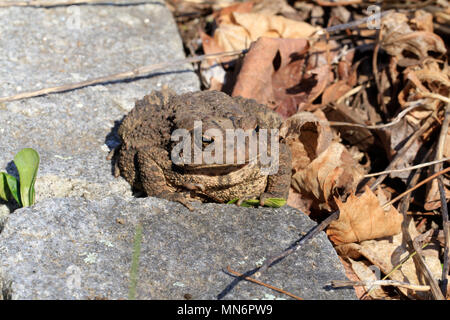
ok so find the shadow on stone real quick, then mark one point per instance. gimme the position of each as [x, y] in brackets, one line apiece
[112, 141]
[235, 282]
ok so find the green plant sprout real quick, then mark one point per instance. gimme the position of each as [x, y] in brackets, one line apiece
[22, 191]
[271, 202]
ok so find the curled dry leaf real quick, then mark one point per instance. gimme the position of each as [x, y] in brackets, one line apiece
[269, 62]
[277, 72]
[307, 135]
[238, 28]
[365, 273]
[388, 252]
[401, 40]
[333, 172]
[352, 276]
[321, 167]
[363, 218]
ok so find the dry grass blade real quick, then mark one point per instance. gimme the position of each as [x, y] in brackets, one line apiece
[128, 75]
[422, 165]
[54, 3]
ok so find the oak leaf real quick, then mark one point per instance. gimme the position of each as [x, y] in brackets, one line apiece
[363, 218]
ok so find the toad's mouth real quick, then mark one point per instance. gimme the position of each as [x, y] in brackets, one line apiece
[211, 169]
[218, 168]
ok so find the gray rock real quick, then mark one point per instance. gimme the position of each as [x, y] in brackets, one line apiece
[75, 248]
[77, 241]
[74, 131]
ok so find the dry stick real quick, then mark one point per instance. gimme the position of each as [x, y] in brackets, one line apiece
[368, 283]
[446, 227]
[422, 165]
[323, 3]
[396, 120]
[53, 3]
[421, 183]
[435, 96]
[262, 284]
[146, 70]
[412, 245]
[444, 208]
[138, 72]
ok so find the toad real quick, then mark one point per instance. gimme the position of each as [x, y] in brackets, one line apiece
[186, 147]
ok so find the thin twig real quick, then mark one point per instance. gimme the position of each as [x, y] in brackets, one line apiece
[421, 183]
[323, 3]
[444, 209]
[353, 24]
[54, 3]
[413, 245]
[446, 227]
[435, 96]
[396, 120]
[128, 75]
[368, 283]
[146, 70]
[262, 283]
[422, 165]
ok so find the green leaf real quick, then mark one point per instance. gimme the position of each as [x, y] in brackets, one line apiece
[270, 202]
[27, 163]
[13, 187]
[275, 202]
[5, 194]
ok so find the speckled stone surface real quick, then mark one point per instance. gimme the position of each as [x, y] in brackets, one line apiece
[77, 241]
[74, 248]
[74, 131]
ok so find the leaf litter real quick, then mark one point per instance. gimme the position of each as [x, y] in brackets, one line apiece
[338, 93]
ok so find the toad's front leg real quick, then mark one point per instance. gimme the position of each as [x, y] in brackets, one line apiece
[151, 164]
[279, 183]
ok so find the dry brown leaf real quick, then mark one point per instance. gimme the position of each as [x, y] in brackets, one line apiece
[388, 252]
[333, 171]
[365, 273]
[261, 75]
[363, 218]
[351, 275]
[306, 136]
[278, 73]
[237, 30]
[335, 91]
[400, 39]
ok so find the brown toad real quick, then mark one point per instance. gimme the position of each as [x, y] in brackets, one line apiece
[151, 157]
